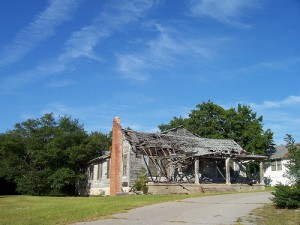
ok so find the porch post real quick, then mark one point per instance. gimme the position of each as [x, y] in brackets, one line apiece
[261, 173]
[227, 170]
[197, 171]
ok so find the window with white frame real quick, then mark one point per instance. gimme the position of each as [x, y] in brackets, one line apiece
[276, 165]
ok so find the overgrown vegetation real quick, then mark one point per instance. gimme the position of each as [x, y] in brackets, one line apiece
[141, 182]
[240, 124]
[45, 156]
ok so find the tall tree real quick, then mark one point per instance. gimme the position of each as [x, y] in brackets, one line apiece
[45, 156]
[240, 124]
[207, 120]
[175, 122]
[294, 156]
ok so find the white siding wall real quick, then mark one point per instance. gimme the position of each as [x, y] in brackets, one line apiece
[100, 184]
[274, 177]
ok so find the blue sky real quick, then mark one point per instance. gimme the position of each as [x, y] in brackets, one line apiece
[149, 60]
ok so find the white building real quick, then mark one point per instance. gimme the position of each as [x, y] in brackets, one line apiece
[276, 169]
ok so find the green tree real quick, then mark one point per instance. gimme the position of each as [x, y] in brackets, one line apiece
[207, 120]
[289, 196]
[175, 122]
[240, 124]
[294, 156]
[46, 155]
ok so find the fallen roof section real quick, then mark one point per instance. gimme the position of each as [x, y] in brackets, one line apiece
[164, 145]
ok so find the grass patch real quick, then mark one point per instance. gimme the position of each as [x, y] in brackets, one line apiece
[269, 188]
[269, 215]
[65, 210]
[32, 210]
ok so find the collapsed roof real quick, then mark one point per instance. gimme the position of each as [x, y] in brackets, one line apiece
[184, 144]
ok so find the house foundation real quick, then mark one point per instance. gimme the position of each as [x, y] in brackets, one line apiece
[186, 188]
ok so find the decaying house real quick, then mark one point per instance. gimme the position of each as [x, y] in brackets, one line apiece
[177, 161]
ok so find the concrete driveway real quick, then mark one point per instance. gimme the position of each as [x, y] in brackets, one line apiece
[220, 209]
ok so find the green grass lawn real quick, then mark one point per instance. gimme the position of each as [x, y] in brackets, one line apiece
[66, 210]
[63, 210]
[269, 215]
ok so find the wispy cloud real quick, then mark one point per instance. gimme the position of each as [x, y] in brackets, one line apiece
[40, 29]
[281, 116]
[167, 50]
[289, 101]
[82, 42]
[225, 11]
[131, 67]
[171, 43]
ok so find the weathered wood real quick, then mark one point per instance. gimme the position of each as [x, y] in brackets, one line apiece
[197, 171]
[227, 169]
[261, 173]
[183, 150]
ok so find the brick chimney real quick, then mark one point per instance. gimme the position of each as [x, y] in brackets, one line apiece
[116, 158]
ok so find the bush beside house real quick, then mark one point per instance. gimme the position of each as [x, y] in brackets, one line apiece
[289, 196]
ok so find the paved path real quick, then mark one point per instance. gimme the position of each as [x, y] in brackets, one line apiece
[218, 209]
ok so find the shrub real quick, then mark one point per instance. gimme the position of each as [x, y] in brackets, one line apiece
[141, 182]
[287, 196]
